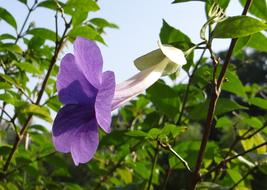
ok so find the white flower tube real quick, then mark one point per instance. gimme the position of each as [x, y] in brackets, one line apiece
[153, 65]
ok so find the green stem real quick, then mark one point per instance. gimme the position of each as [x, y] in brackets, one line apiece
[188, 87]
[153, 166]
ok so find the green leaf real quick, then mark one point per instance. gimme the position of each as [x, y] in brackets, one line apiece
[136, 133]
[73, 6]
[172, 130]
[8, 79]
[50, 4]
[43, 33]
[165, 99]
[7, 36]
[28, 67]
[39, 128]
[258, 41]
[86, 32]
[102, 23]
[54, 103]
[238, 26]
[258, 8]
[8, 98]
[234, 85]
[125, 175]
[154, 133]
[227, 105]
[199, 112]
[78, 18]
[23, 1]
[253, 122]
[141, 168]
[240, 44]
[259, 102]
[6, 16]
[4, 85]
[235, 175]
[13, 48]
[5, 149]
[223, 122]
[171, 35]
[255, 140]
[39, 111]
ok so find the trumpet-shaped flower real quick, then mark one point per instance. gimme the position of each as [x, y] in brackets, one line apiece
[89, 95]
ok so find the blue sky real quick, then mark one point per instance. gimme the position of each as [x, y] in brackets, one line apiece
[139, 21]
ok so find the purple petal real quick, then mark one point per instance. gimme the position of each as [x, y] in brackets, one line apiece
[103, 100]
[89, 59]
[85, 142]
[72, 86]
[68, 120]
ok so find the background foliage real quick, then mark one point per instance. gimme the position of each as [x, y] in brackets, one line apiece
[152, 131]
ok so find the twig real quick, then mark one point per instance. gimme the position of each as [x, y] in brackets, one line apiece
[243, 178]
[61, 10]
[237, 139]
[245, 152]
[22, 91]
[168, 147]
[167, 176]
[188, 87]
[153, 166]
[225, 161]
[5, 112]
[11, 120]
[39, 97]
[26, 20]
[26, 164]
[19, 35]
[254, 133]
[214, 98]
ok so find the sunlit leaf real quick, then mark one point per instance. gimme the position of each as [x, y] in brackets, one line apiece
[238, 26]
[260, 102]
[28, 67]
[86, 32]
[258, 8]
[6, 16]
[234, 85]
[171, 35]
[102, 23]
[39, 111]
[43, 33]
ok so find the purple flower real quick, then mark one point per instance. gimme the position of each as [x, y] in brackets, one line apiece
[88, 94]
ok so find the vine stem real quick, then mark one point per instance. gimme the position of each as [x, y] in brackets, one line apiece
[185, 97]
[39, 97]
[188, 86]
[153, 166]
[214, 98]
